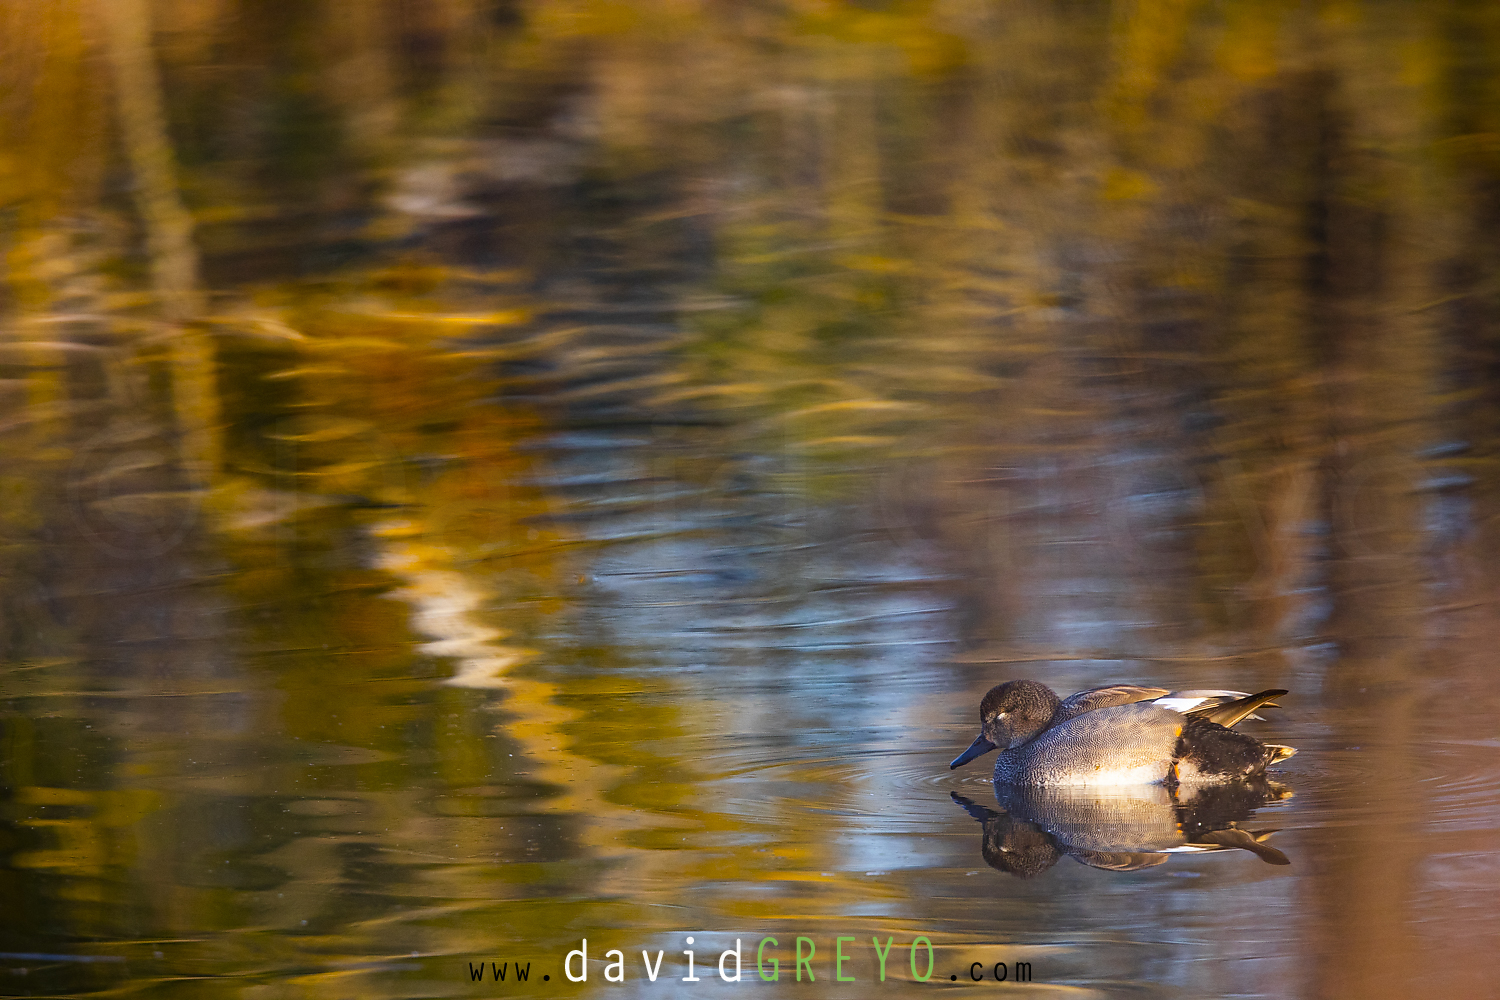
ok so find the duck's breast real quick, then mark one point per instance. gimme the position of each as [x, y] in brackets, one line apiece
[1123, 745]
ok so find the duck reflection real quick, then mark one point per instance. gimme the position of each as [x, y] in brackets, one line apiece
[1122, 828]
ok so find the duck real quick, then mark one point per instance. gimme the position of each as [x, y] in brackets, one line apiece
[1120, 734]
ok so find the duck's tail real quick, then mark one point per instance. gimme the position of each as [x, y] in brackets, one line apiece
[1230, 713]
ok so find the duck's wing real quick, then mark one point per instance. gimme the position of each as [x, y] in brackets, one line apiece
[1104, 697]
[1245, 840]
[1228, 714]
[1188, 701]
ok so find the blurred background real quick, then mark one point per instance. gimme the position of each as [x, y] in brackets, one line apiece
[479, 474]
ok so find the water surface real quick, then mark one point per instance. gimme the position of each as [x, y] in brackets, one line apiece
[506, 474]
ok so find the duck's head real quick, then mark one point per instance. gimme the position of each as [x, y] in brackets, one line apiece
[1010, 715]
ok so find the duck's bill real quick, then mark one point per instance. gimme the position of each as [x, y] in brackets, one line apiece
[978, 748]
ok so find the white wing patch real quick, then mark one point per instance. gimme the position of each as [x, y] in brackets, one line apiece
[1186, 701]
[1179, 704]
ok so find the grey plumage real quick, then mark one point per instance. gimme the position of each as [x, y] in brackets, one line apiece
[1120, 745]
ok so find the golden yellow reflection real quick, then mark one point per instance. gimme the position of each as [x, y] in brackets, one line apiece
[480, 471]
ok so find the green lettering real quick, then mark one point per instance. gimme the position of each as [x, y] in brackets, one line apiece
[812, 950]
[882, 954]
[921, 979]
[775, 965]
[839, 958]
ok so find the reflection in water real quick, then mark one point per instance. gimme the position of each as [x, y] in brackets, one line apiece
[1123, 828]
[478, 473]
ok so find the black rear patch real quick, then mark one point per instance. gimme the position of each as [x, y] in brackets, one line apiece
[1210, 749]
